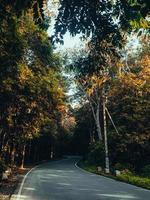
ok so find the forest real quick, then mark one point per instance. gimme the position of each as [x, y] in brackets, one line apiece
[106, 119]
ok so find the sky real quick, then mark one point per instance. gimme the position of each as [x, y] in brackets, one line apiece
[69, 41]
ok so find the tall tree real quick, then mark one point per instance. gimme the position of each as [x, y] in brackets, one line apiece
[32, 87]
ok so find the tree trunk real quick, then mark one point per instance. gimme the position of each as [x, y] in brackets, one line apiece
[35, 154]
[98, 123]
[23, 156]
[29, 151]
[52, 153]
[92, 138]
[107, 168]
[12, 155]
[2, 143]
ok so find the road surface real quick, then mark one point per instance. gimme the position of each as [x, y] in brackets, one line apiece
[62, 180]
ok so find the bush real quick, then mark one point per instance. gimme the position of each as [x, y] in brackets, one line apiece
[126, 172]
[119, 166]
[146, 171]
[96, 155]
[122, 167]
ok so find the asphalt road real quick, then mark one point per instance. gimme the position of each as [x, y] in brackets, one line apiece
[62, 180]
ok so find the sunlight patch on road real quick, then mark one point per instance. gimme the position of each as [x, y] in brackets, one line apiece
[22, 197]
[64, 184]
[52, 175]
[70, 171]
[88, 189]
[28, 188]
[121, 196]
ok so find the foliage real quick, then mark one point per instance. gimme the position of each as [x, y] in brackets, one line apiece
[129, 106]
[135, 180]
[32, 86]
[82, 134]
[2, 166]
[86, 17]
[146, 171]
[96, 154]
[18, 8]
[123, 167]
[134, 13]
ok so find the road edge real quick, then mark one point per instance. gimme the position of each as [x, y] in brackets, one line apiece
[81, 169]
[17, 192]
[117, 180]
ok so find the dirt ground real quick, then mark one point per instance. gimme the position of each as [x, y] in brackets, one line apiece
[8, 187]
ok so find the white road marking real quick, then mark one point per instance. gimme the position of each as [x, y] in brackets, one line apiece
[22, 183]
[81, 169]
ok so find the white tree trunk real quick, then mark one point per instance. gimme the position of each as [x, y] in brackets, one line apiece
[95, 111]
[23, 156]
[97, 120]
[107, 168]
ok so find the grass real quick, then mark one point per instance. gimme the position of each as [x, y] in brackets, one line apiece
[135, 180]
[143, 182]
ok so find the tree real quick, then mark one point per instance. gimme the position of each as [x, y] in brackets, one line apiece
[129, 106]
[32, 87]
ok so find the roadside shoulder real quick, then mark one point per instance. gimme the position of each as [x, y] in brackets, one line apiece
[142, 182]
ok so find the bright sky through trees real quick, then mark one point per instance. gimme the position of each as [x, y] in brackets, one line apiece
[69, 41]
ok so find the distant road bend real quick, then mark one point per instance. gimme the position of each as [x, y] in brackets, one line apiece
[62, 180]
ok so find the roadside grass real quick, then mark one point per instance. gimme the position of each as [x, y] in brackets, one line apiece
[135, 180]
[143, 182]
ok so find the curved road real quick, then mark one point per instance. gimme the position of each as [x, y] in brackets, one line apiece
[62, 180]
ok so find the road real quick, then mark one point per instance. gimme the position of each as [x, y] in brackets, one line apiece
[62, 180]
